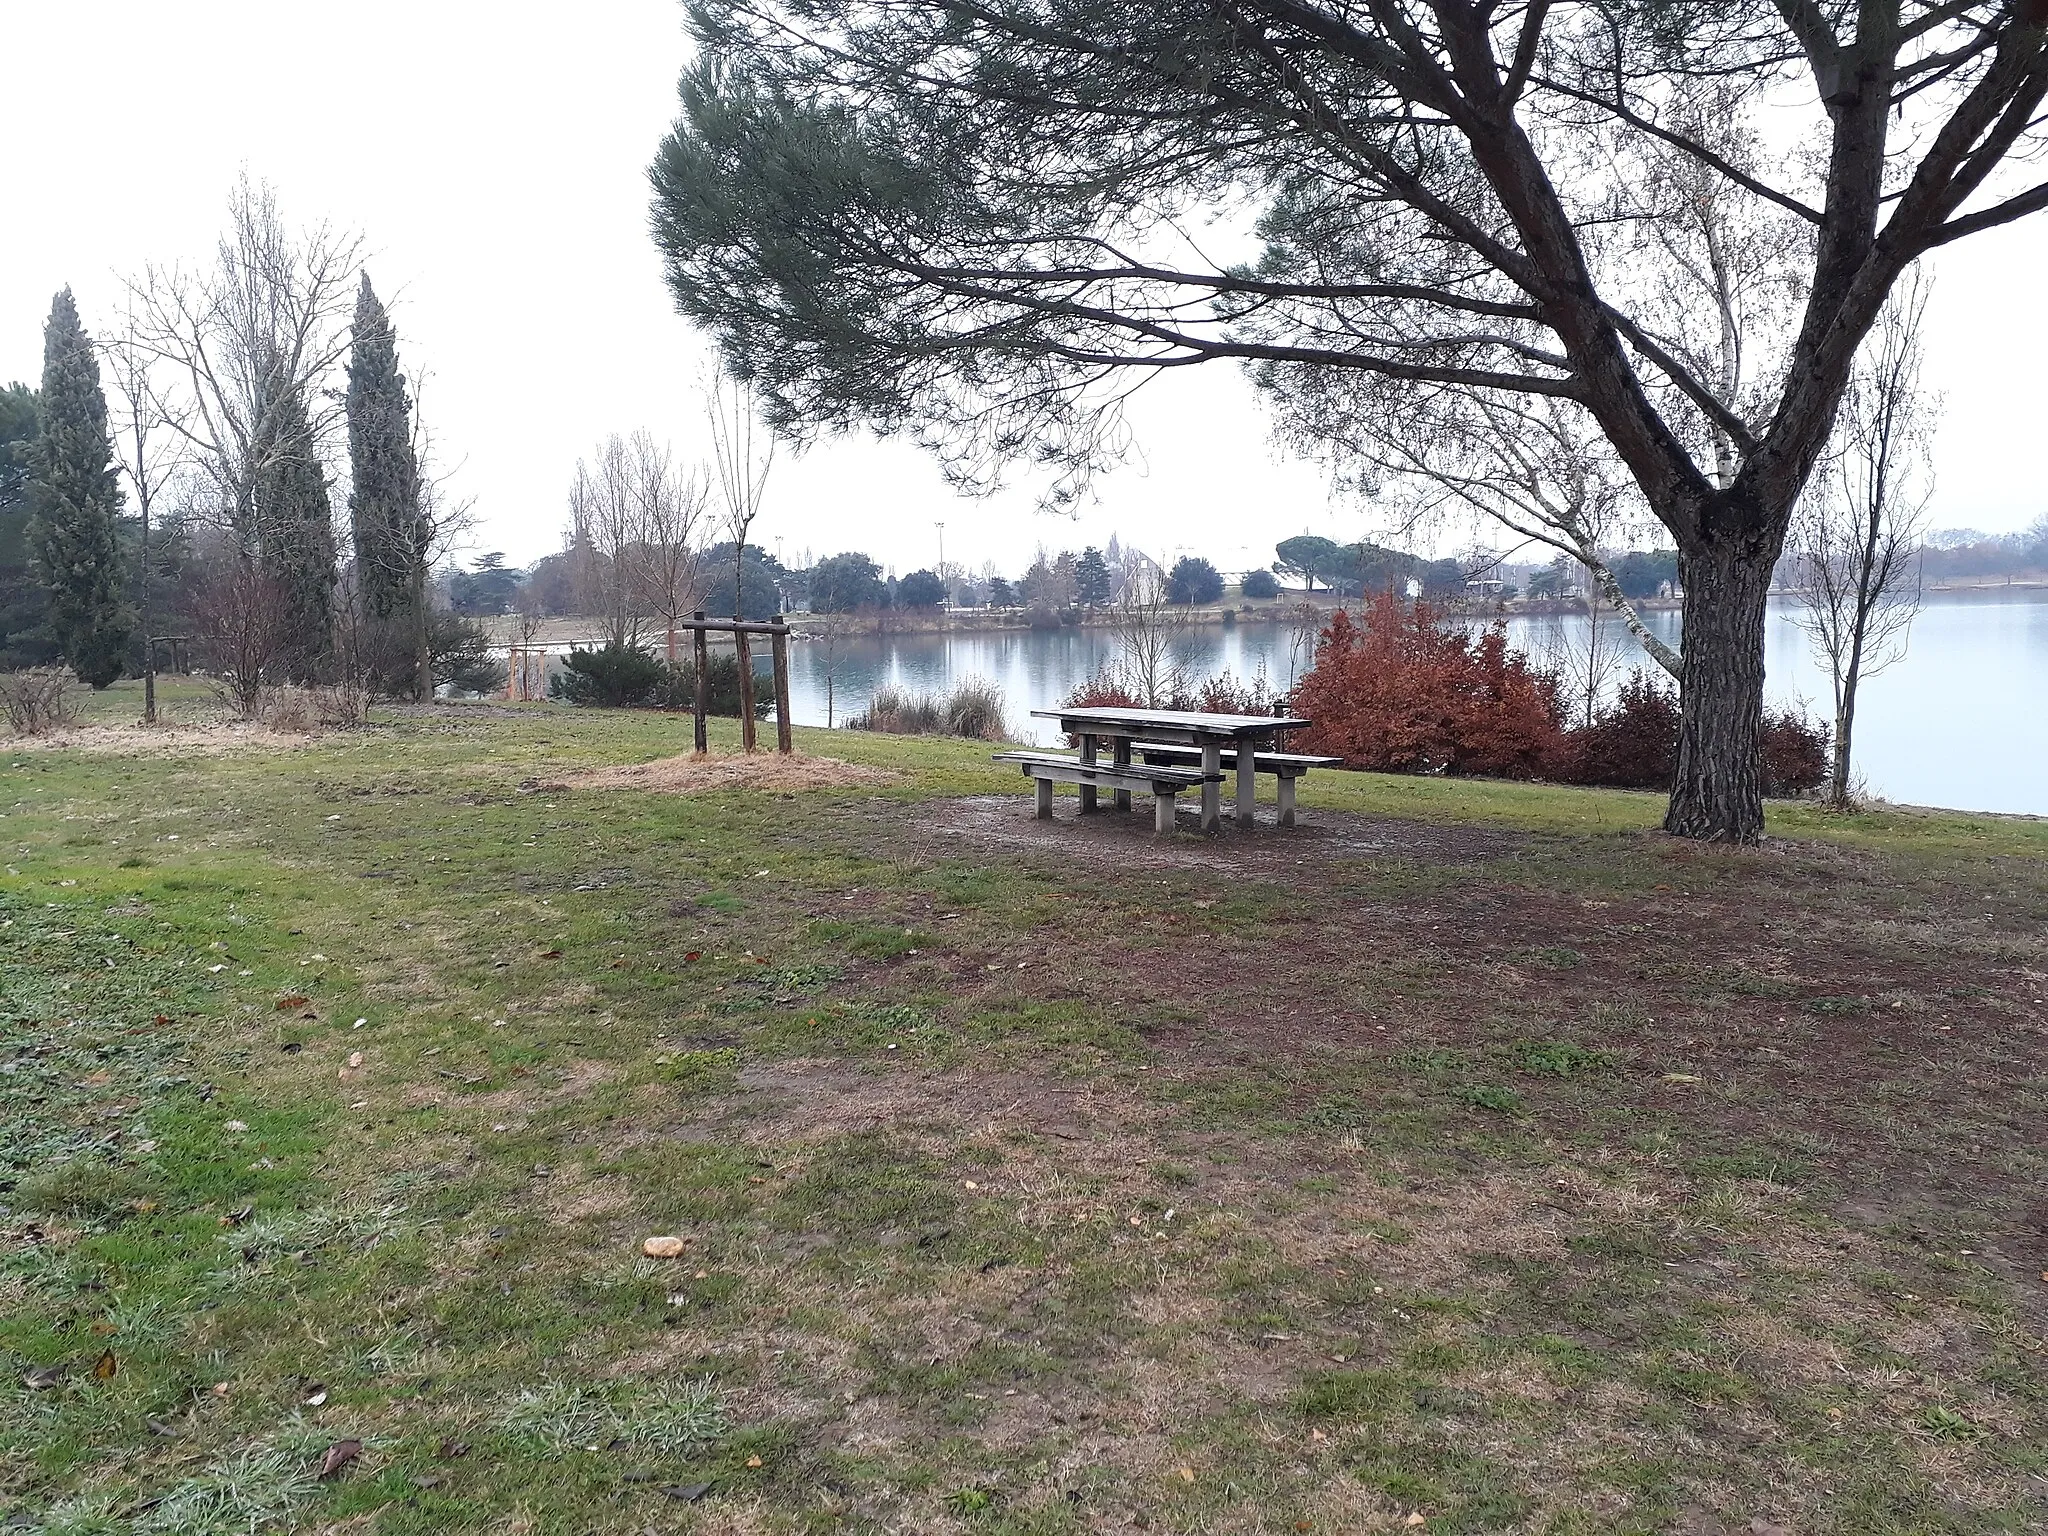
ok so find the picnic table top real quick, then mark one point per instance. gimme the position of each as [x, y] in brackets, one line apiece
[1195, 722]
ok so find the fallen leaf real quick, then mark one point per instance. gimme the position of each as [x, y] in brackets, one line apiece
[43, 1377]
[666, 1246]
[287, 1004]
[1414, 1518]
[106, 1367]
[551, 954]
[753, 1461]
[339, 1457]
[316, 1394]
[452, 1450]
[355, 1058]
[689, 959]
[1187, 1474]
[687, 1493]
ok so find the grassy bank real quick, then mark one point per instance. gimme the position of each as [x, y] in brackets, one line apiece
[1474, 1161]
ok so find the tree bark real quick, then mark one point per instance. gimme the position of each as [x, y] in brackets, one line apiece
[423, 653]
[1717, 795]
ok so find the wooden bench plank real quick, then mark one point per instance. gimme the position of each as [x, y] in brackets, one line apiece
[1263, 760]
[1045, 768]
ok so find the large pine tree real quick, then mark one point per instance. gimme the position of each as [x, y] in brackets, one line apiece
[385, 507]
[24, 610]
[295, 537]
[75, 504]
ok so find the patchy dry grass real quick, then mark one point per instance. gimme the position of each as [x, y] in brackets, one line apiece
[1474, 1158]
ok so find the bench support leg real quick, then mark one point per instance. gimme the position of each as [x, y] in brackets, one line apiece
[1087, 790]
[1044, 799]
[1120, 755]
[1162, 814]
[1247, 792]
[1212, 786]
[1287, 799]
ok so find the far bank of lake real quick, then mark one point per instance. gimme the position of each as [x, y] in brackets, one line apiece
[1961, 722]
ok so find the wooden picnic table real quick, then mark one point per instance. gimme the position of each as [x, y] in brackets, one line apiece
[1212, 733]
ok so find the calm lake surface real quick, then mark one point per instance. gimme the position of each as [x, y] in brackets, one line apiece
[1961, 722]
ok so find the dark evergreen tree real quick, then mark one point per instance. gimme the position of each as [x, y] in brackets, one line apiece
[75, 504]
[386, 511]
[846, 584]
[920, 589]
[295, 538]
[1193, 581]
[1092, 586]
[24, 634]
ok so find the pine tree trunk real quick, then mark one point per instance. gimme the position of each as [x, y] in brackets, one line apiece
[1718, 793]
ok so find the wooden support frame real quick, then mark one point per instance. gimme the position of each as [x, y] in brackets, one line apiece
[740, 630]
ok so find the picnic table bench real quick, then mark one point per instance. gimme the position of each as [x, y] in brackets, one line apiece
[1164, 783]
[1201, 737]
[1286, 767]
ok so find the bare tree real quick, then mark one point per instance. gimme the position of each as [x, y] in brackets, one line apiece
[605, 531]
[667, 554]
[240, 620]
[1857, 534]
[1146, 625]
[1587, 659]
[151, 446]
[1534, 466]
[266, 321]
[831, 633]
[742, 454]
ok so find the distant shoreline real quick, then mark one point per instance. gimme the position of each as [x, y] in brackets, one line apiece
[560, 633]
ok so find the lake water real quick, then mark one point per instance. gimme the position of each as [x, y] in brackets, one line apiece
[1961, 722]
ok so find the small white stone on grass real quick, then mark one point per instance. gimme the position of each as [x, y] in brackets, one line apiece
[666, 1246]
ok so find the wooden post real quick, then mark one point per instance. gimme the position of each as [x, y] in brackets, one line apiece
[703, 700]
[1120, 755]
[746, 655]
[1212, 784]
[1162, 813]
[780, 646]
[1247, 784]
[1044, 787]
[1087, 790]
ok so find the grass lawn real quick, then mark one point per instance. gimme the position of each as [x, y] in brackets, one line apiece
[1473, 1159]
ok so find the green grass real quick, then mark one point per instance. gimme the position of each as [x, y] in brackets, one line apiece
[340, 1087]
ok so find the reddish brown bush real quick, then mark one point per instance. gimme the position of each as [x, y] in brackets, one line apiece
[1105, 689]
[1633, 742]
[1796, 753]
[1396, 692]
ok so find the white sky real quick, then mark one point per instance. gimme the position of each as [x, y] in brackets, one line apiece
[495, 156]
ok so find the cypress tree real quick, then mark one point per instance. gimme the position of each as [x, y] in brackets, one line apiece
[75, 504]
[295, 538]
[384, 503]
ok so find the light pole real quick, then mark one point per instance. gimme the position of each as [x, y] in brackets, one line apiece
[942, 549]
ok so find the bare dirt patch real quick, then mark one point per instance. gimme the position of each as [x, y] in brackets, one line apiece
[167, 740]
[689, 774]
[1006, 823]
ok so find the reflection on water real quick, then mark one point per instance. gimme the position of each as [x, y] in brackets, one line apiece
[1962, 722]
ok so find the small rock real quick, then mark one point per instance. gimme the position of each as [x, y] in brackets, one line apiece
[666, 1246]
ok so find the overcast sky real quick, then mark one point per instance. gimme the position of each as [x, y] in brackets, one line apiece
[494, 157]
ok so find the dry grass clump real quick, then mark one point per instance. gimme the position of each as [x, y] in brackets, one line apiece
[688, 774]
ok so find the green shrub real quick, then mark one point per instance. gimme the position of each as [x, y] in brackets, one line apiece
[613, 677]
